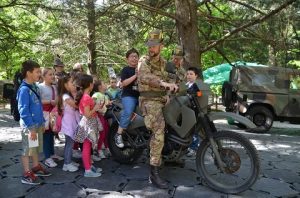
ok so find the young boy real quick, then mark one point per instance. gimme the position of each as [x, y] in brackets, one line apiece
[113, 92]
[192, 75]
[31, 122]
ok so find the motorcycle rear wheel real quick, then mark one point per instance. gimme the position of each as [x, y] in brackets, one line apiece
[241, 161]
[126, 155]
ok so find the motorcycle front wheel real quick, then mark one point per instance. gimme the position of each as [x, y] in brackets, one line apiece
[240, 159]
[126, 155]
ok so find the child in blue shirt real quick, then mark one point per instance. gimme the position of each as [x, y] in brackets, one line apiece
[31, 121]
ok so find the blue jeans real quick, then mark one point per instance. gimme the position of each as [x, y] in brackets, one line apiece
[68, 149]
[48, 143]
[129, 104]
[196, 141]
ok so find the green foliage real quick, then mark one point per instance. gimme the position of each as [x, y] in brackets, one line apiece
[216, 89]
[40, 29]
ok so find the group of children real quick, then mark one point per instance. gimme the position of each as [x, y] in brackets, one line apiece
[81, 102]
[82, 119]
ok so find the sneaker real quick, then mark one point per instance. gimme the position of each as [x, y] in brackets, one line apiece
[56, 141]
[40, 171]
[90, 173]
[75, 164]
[76, 154]
[191, 153]
[57, 157]
[96, 158]
[101, 154]
[119, 140]
[30, 178]
[96, 169]
[50, 163]
[61, 138]
[70, 167]
[107, 152]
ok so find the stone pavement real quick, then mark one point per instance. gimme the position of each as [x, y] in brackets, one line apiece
[280, 172]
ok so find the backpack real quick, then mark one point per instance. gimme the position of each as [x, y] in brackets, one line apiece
[13, 102]
[55, 120]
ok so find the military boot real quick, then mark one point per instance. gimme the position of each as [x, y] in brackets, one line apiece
[155, 178]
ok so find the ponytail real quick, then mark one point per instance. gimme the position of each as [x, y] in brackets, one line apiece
[61, 89]
[82, 82]
[79, 95]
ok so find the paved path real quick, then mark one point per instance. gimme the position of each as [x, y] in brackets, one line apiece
[280, 174]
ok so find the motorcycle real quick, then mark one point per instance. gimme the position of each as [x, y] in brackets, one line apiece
[227, 161]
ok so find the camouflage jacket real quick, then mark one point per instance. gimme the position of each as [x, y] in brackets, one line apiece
[150, 70]
[175, 75]
[180, 75]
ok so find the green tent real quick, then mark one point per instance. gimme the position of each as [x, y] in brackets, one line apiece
[220, 73]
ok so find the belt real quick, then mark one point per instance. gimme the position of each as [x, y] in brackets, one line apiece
[153, 94]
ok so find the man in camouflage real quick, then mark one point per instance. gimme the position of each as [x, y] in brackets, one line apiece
[175, 67]
[151, 79]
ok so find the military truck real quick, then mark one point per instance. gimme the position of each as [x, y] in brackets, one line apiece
[6, 89]
[263, 94]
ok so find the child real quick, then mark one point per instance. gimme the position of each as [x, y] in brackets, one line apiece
[89, 126]
[100, 98]
[70, 119]
[192, 75]
[31, 121]
[113, 92]
[130, 93]
[48, 95]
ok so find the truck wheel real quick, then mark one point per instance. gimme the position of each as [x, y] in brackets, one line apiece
[227, 93]
[261, 116]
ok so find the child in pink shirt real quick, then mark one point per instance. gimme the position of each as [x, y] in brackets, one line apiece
[89, 125]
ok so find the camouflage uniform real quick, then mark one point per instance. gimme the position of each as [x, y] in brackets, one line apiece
[178, 71]
[180, 75]
[151, 106]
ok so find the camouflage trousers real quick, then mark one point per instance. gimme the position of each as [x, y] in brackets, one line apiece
[154, 121]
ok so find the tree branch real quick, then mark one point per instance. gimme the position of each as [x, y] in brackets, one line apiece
[248, 6]
[12, 3]
[217, 49]
[15, 3]
[251, 23]
[151, 9]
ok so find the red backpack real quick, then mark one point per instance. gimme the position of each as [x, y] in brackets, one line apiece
[55, 120]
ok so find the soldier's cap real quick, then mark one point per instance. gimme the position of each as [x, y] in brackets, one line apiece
[178, 51]
[155, 38]
[58, 62]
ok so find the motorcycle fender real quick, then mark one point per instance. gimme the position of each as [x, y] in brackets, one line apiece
[137, 122]
[231, 116]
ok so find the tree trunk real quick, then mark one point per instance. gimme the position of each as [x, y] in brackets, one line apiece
[186, 13]
[91, 34]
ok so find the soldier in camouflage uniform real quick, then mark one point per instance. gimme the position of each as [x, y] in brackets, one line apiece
[151, 79]
[175, 66]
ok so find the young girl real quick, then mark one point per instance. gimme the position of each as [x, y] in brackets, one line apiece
[70, 119]
[48, 96]
[89, 125]
[100, 97]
